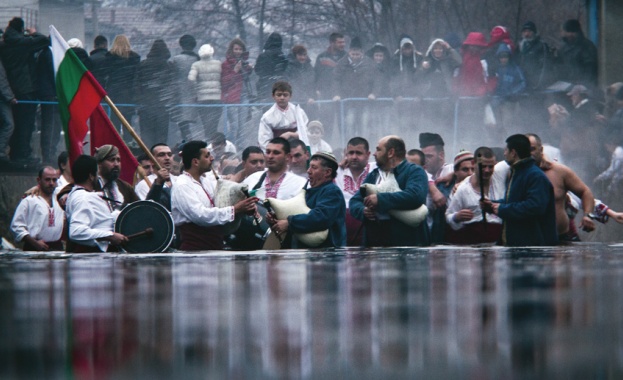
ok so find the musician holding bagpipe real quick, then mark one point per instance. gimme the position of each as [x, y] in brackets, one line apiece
[193, 204]
[326, 204]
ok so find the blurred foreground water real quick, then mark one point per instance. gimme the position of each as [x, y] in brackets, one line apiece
[443, 312]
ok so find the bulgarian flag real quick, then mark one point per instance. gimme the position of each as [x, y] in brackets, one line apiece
[79, 96]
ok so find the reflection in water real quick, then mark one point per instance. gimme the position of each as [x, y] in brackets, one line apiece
[446, 313]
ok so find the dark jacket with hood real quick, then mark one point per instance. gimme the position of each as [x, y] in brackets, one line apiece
[510, 78]
[404, 69]
[437, 80]
[155, 77]
[270, 66]
[18, 58]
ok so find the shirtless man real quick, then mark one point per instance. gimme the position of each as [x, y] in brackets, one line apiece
[563, 180]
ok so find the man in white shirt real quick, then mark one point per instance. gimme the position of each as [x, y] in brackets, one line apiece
[433, 147]
[38, 220]
[276, 181]
[162, 180]
[464, 215]
[350, 175]
[283, 119]
[192, 202]
[117, 192]
[90, 218]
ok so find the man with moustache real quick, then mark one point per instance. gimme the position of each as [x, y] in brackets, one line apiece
[117, 192]
[90, 217]
[276, 181]
[464, 215]
[162, 180]
[326, 202]
[38, 220]
[350, 175]
[381, 229]
[192, 202]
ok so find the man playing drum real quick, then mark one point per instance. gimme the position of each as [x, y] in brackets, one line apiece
[162, 180]
[90, 217]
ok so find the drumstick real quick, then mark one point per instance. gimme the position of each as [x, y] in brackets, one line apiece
[148, 231]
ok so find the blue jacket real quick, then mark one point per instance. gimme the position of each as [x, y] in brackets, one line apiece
[328, 211]
[528, 210]
[413, 181]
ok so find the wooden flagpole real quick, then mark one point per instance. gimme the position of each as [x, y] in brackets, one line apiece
[136, 137]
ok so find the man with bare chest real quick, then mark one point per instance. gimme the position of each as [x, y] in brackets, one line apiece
[563, 179]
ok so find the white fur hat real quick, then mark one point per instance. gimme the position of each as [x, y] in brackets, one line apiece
[206, 51]
[74, 42]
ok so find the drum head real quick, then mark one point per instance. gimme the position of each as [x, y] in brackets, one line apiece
[271, 242]
[137, 217]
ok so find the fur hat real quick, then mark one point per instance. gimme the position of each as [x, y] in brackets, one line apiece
[206, 51]
[75, 43]
[105, 151]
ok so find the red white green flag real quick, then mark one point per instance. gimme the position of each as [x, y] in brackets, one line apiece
[79, 96]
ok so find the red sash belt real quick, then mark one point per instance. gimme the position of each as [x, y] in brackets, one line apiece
[199, 238]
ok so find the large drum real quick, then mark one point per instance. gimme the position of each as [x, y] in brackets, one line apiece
[148, 224]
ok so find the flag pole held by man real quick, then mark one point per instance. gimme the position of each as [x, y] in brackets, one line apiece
[79, 96]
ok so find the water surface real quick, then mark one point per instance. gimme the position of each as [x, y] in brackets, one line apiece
[443, 312]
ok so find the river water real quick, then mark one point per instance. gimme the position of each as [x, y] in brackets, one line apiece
[442, 312]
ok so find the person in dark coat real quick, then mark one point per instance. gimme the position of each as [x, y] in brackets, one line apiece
[270, 66]
[577, 58]
[98, 56]
[356, 76]
[325, 64]
[50, 117]
[76, 45]
[119, 69]
[7, 101]
[528, 210]
[405, 63]
[18, 58]
[536, 62]
[300, 74]
[181, 64]
[155, 90]
[435, 81]
[325, 199]
[380, 228]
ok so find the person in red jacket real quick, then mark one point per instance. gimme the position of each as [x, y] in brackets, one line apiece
[235, 87]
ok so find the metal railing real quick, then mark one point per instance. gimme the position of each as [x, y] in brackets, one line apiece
[344, 131]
